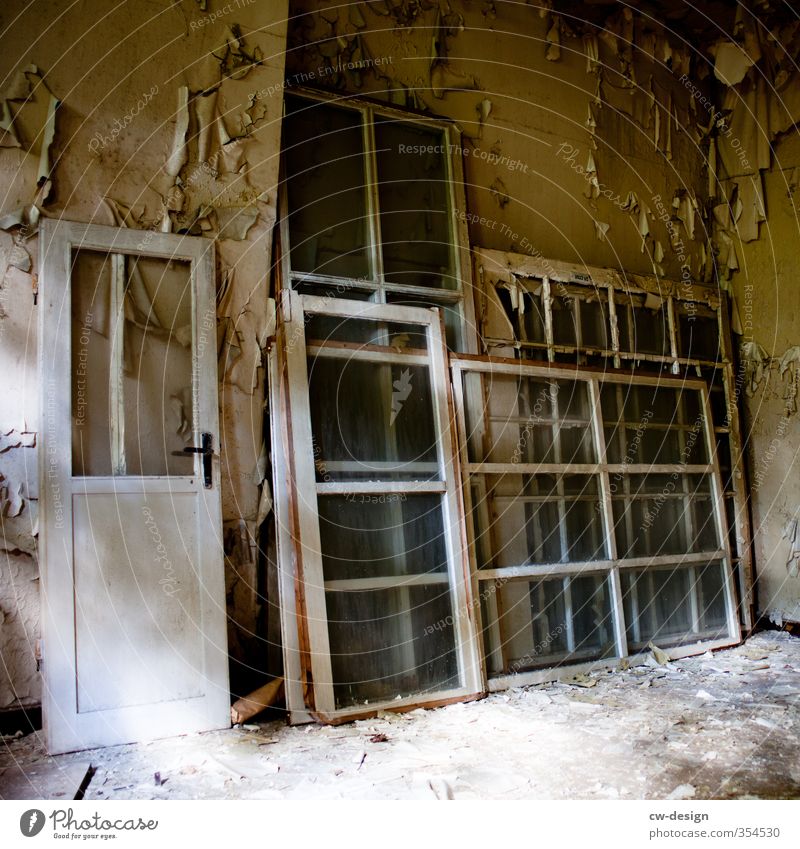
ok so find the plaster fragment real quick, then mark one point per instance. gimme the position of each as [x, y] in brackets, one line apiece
[16, 439]
[756, 361]
[731, 63]
[591, 47]
[179, 155]
[789, 368]
[20, 258]
[553, 39]
[791, 533]
[235, 222]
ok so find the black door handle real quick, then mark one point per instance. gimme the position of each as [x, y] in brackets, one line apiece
[207, 451]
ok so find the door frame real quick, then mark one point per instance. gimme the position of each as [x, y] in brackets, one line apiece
[65, 728]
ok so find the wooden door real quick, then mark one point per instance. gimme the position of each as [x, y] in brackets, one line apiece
[134, 634]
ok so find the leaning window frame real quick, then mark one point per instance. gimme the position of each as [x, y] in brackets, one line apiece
[613, 564]
[304, 619]
[460, 296]
[532, 272]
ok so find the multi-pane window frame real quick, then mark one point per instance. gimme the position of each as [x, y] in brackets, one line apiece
[373, 286]
[542, 280]
[304, 476]
[485, 580]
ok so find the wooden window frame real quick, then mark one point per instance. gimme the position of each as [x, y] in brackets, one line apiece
[308, 673]
[535, 272]
[374, 285]
[612, 566]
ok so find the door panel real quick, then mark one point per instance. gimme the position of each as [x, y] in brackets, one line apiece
[130, 546]
[132, 557]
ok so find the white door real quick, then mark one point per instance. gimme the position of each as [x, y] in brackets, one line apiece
[133, 625]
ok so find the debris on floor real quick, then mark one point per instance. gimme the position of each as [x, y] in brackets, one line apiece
[721, 725]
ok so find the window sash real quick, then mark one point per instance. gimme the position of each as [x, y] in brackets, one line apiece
[299, 518]
[375, 286]
[611, 565]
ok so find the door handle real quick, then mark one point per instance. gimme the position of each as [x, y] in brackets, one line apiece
[206, 450]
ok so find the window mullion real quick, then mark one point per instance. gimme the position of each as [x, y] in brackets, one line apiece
[373, 204]
[596, 414]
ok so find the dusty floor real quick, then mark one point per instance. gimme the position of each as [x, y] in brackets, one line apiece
[725, 725]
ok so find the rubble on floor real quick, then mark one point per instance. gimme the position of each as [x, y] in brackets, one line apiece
[722, 725]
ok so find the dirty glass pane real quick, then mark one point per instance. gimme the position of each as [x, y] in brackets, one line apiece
[663, 514]
[530, 519]
[132, 395]
[674, 604]
[653, 424]
[698, 332]
[552, 621]
[527, 420]
[324, 160]
[564, 321]
[451, 313]
[594, 322]
[349, 289]
[642, 329]
[382, 535]
[392, 334]
[391, 643]
[532, 320]
[415, 216]
[371, 420]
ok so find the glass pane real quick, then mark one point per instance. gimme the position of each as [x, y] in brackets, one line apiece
[653, 424]
[564, 322]
[527, 420]
[663, 514]
[391, 643]
[594, 323]
[699, 332]
[372, 420]
[525, 519]
[91, 361]
[389, 534]
[331, 328]
[324, 156]
[348, 289]
[642, 330]
[550, 621]
[415, 218]
[674, 605]
[132, 395]
[159, 409]
[451, 313]
[532, 320]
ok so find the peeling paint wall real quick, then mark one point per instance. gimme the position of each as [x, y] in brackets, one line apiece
[768, 304]
[576, 147]
[755, 217]
[159, 120]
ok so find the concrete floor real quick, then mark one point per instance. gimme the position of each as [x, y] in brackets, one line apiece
[725, 725]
